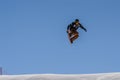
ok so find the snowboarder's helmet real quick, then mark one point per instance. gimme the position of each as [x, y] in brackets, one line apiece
[76, 20]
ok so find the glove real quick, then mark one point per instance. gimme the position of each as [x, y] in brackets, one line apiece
[85, 30]
[67, 31]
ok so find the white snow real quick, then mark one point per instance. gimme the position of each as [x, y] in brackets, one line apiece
[102, 76]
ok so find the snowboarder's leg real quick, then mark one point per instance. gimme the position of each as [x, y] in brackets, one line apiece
[69, 36]
[71, 41]
[75, 36]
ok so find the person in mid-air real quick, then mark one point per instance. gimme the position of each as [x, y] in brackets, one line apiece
[72, 30]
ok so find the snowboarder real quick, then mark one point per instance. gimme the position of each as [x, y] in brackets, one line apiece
[72, 30]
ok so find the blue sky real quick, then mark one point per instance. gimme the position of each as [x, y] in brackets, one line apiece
[33, 36]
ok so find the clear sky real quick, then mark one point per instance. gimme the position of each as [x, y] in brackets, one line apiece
[33, 36]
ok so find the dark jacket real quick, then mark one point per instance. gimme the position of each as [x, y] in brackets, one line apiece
[73, 26]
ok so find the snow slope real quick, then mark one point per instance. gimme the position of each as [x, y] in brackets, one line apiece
[103, 76]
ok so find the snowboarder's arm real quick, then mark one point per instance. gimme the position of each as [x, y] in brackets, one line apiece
[81, 26]
[68, 28]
